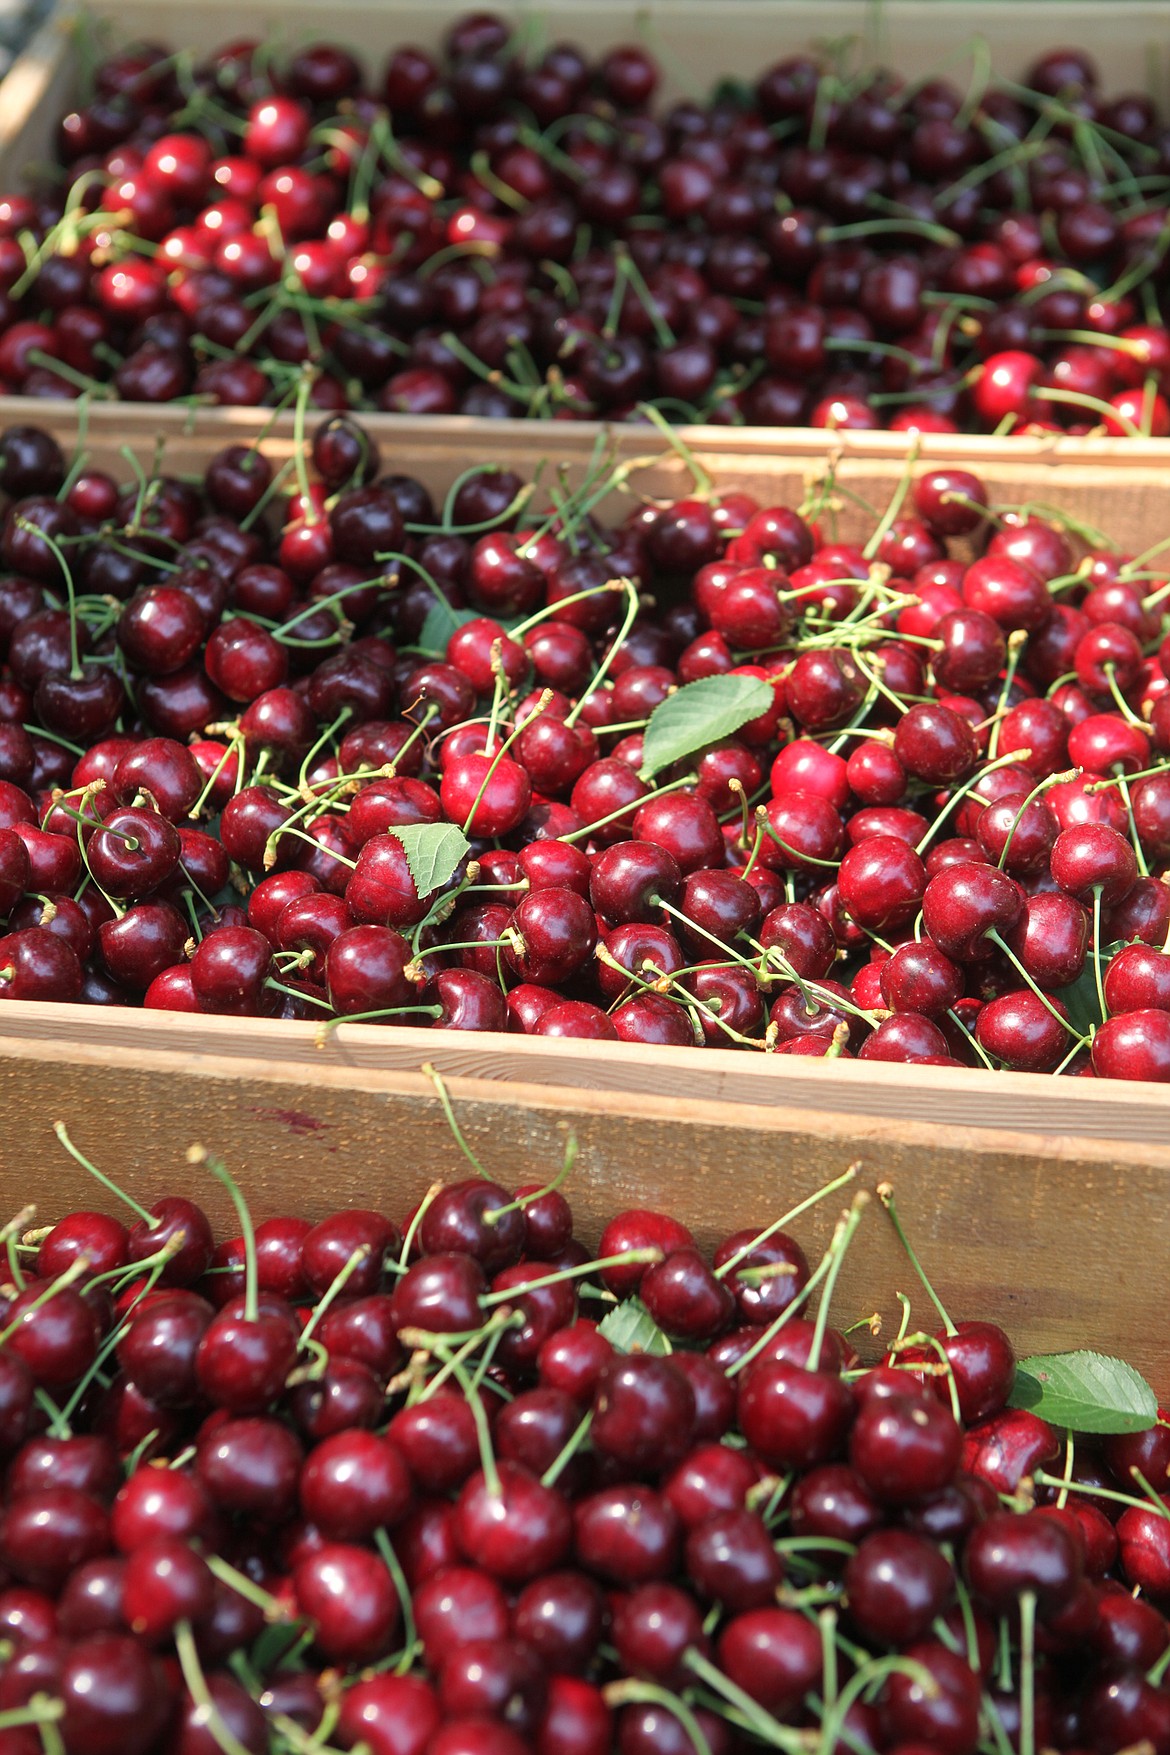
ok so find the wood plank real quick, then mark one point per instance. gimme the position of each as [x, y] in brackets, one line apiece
[1068, 1245]
[1116, 485]
[934, 1096]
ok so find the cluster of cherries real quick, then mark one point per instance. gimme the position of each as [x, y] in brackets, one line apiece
[460, 1488]
[490, 234]
[389, 761]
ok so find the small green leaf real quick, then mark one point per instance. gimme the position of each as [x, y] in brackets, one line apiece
[433, 852]
[698, 714]
[630, 1328]
[1085, 1391]
[1081, 999]
[442, 621]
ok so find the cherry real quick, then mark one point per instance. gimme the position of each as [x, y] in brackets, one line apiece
[349, 1597]
[792, 1416]
[964, 903]
[773, 1655]
[476, 1218]
[1007, 1555]
[515, 1530]
[1135, 1045]
[394, 1714]
[355, 1483]
[897, 1584]
[643, 1412]
[903, 1449]
[113, 1695]
[628, 1535]
[46, 1534]
[250, 1466]
[1091, 857]
[560, 1616]
[942, 1714]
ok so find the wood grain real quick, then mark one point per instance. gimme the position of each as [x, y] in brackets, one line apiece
[1115, 485]
[1064, 1240]
[931, 1096]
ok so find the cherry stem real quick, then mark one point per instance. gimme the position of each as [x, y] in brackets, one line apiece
[730, 1265]
[436, 1078]
[606, 664]
[945, 1368]
[897, 501]
[41, 1710]
[483, 1432]
[409, 1632]
[417, 1218]
[885, 1194]
[1027, 1672]
[997, 939]
[1097, 951]
[754, 1717]
[245, 1587]
[61, 1132]
[630, 1692]
[79, 1266]
[842, 1238]
[968, 786]
[502, 1318]
[523, 1201]
[334, 1290]
[567, 1451]
[635, 1257]
[624, 810]
[196, 1155]
[767, 1335]
[200, 1693]
[541, 706]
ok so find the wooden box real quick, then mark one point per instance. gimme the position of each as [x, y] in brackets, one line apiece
[696, 42]
[1041, 1203]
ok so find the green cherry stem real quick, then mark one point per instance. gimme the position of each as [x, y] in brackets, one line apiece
[885, 1194]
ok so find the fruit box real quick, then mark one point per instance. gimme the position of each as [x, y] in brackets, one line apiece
[1042, 1204]
[695, 43]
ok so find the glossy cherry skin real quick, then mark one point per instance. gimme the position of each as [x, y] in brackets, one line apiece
[349, 1596]
[517, 1533]
[1006, 1555]
[903, 1449]
[897, 1583]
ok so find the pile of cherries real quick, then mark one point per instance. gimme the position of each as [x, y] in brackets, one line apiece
[374, 758]
[510, 235]
[459, 1488]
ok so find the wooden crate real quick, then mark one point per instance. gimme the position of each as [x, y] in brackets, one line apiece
[1120, 486]
[696, 41]
[1042, 1203]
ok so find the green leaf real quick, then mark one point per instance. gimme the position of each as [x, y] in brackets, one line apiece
[1080, 997]
[433, 852]
[442, 621]
[698, 714]
[1085, 1391]
[630, 1328]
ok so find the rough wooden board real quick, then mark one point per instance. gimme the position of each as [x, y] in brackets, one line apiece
[1066, 1243]
[1115, 485]
[939, 1097]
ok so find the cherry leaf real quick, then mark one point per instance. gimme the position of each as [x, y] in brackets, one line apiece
[433, 852]
[698, 714]
[442, 621]
[630, 1328]
[1085, 1391]
[1081, 999]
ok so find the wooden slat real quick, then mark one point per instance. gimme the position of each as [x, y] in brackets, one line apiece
[1067, 1246]
[1118, 486]
[936, 1097]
